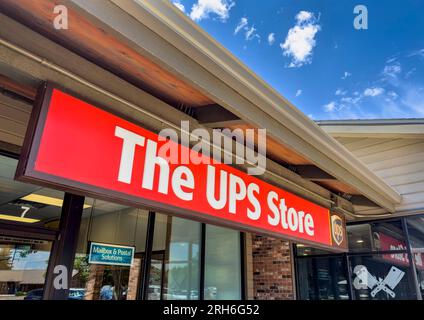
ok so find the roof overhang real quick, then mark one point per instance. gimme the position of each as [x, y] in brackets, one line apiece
[374, 128]
[397, 142]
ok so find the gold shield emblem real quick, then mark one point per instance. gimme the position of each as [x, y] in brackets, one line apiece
[337, 229]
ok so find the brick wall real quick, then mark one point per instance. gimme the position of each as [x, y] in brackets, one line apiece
[272, 269]
[133, 279]
[94, 282]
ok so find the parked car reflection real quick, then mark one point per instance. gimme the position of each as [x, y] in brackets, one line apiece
[74, 294]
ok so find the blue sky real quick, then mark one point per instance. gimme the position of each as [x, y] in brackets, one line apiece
[318, 60]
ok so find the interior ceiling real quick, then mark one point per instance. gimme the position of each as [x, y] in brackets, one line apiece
[95, 43]
[13, 191]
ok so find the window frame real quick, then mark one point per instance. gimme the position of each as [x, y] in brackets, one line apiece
[412, 267]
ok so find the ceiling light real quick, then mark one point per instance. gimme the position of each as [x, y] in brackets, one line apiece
[18, 219]
[359, 241]
[47, 200]
[300, 245]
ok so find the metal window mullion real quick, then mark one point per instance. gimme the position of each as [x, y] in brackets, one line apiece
[202, 262]
[145, 277]
[65, 246]
[346, 259]
[243, 274]
[411, 260]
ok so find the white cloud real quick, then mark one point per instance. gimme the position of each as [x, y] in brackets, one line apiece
[346, 75]
[271, 38]
[179, 5]
[298, 92]
[241, 25]
[392, 94]
[340, 92]
[330, 107]
[391, 60]
[410, 72]
[202, 9]
[413, 99]
[300, 40]
[345, 107]
[303, 16]
[392, 70]
[350, 100]
[249, 32]
[419, 53]
[373, 92]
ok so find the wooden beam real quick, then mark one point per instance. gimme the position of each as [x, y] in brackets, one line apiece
[359, 200]
[23, 90]
[312, 172]
[214, 115]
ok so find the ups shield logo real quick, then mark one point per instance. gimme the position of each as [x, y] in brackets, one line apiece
[337, 229]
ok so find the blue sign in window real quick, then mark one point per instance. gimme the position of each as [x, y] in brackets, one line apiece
[110, 254]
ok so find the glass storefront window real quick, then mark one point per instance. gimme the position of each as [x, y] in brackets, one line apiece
[23, 266]
[175, 259]
[379, 263]
[109, 223]
[222, 264]
[381, 277]
[376, 236]
[416, 239]
[175, 266]
[322, 278]
[25, 203]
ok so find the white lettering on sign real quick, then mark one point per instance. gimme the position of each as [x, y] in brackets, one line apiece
[232, 189]
[289, 217]
[128, 149]
[216, 203]
[182, 176]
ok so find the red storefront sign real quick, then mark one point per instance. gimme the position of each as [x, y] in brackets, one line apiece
[77, 147]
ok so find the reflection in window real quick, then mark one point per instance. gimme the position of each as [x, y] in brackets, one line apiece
[376, 236]
[26, 203]
[322, 278]
[109, 223]
[381, 277]
[156, 276]
[175, 266]
[23, 265]
[222, 264]
[416, 237]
